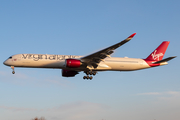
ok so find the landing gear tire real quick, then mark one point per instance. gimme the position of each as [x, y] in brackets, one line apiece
[88, 77]
[91, 78]
[87, 73]
[13, 72]
[94, 73]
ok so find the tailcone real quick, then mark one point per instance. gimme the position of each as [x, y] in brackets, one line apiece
[163, 63]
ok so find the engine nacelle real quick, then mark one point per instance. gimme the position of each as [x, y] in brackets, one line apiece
[68, 73]
[73, 63]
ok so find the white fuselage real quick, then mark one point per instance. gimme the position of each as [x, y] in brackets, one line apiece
[58, 62]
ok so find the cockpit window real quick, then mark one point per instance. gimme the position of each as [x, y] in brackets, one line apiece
[10, 57]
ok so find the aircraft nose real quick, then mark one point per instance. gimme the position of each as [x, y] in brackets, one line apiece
[6, 62]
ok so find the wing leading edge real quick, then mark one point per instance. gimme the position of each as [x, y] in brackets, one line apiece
[95, 58]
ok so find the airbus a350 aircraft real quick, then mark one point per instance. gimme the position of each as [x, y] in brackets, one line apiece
[90, 64]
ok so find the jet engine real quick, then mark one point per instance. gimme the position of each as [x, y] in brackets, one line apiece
[69, 73]
[73, 63]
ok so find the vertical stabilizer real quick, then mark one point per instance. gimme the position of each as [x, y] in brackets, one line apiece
[159, 52]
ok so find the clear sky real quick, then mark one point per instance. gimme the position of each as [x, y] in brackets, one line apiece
[79, 28]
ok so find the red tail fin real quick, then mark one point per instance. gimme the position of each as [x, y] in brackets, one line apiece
[159, 52]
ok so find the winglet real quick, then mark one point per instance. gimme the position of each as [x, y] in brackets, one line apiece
[131, 36]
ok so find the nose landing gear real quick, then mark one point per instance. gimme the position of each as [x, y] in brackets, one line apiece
[12, 67]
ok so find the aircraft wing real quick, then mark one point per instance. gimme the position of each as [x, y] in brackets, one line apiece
[95, 58]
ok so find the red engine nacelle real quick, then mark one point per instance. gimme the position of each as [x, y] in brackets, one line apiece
[69, 73]
[73, 63]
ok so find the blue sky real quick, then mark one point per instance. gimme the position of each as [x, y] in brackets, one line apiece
[80, 28]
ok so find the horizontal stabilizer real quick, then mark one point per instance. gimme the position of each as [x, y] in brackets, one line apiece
[164, 60]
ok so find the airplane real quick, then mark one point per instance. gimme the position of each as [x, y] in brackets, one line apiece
[101, 60]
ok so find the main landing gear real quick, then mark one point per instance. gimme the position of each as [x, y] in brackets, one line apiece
[12, 67]
[89, 73]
